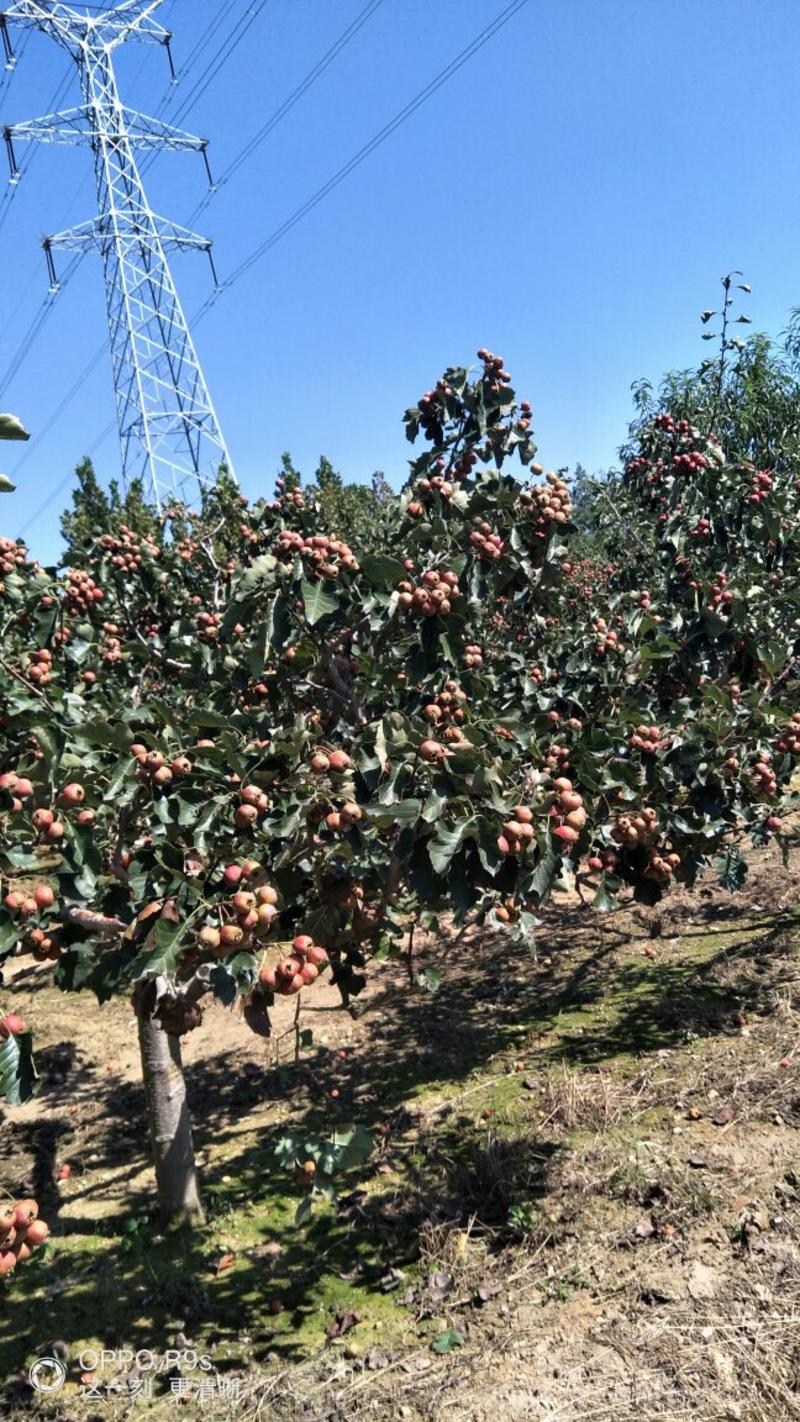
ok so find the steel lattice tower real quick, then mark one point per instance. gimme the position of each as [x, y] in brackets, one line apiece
[167, 424]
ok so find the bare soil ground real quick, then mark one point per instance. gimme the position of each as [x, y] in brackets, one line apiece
[584, 1202]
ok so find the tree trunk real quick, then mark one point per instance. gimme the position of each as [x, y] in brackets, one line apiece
[167, 1112]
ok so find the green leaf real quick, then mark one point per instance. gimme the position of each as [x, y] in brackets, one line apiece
[162, 949]
[445, 843]
[379, 568]
[732, 870]
[447, 1341]
[318, 602]
[19, 1080]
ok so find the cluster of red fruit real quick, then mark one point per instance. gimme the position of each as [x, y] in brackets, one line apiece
[567, 811]
[152, 765]
[661, 867]
[648, 739]
[448, 708]
[604, 859]
[128, 550]
[26, 903]
[254, 803]
[11, 555]
[557, 758]
[289, 498]
[300, 969]
[426, 488]
[760, 488]
[517, 833]
[349, 813]
[186, 549]
[494, 371]
[608, 641]
[636, 829]
[489, 547]
[21, 1231]
[40, 669]
[81, 592]
[790, 735]
[550, 503]
[207, 624]
[473, 655]
[701, 529]
[433, 595]
[720, 595]
[327, 555]
[250, 913]
[336, 760]
[688, 462]
[764, 780]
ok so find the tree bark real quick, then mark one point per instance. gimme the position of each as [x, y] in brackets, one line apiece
[167, 1112]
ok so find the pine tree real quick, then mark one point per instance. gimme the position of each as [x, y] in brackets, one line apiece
[91, 510]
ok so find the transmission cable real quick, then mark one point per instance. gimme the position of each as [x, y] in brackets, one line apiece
[288, 104]
[363, 153]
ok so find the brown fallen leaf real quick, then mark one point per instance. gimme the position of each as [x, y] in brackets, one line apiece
[224, 1263]
[725, 1115]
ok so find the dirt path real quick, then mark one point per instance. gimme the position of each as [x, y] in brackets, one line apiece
[583, 1186]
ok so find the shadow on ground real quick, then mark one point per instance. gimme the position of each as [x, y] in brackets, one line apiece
[124, 1284]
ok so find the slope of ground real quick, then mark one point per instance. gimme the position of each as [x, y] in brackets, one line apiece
[583, 1201]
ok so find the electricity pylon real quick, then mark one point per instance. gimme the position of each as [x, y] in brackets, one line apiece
[167, 424]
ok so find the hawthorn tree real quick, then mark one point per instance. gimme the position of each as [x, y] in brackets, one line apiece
[240, 751]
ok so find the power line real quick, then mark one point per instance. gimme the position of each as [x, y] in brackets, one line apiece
[359, 157]
[288, 104]
[194, 54]
[364, 152]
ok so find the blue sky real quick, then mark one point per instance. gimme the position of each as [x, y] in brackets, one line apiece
[570, 199]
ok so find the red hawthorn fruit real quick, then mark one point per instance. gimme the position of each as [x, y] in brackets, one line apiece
[11, 1025]
[567, 833]
[14, 900]
[308, 973]
[773, 823]
[25, 1212]
[232, 874]
[340, 760]
[86, 817]
[36, 1233]
[44, 896]
[302, 943]
[8, 1261]
[23, 789]
[7, 1217]
[42, 819]
[316, 956]
[267, 978]
[73, 794]
[55, 831]
[231, 935]
[243, 901]
[319, 763]
[209, 937]
[8, 780]
[21, 1250]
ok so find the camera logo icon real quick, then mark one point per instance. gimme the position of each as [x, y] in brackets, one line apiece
[47, 1375]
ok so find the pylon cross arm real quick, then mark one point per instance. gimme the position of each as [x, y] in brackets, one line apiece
[76, 126]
